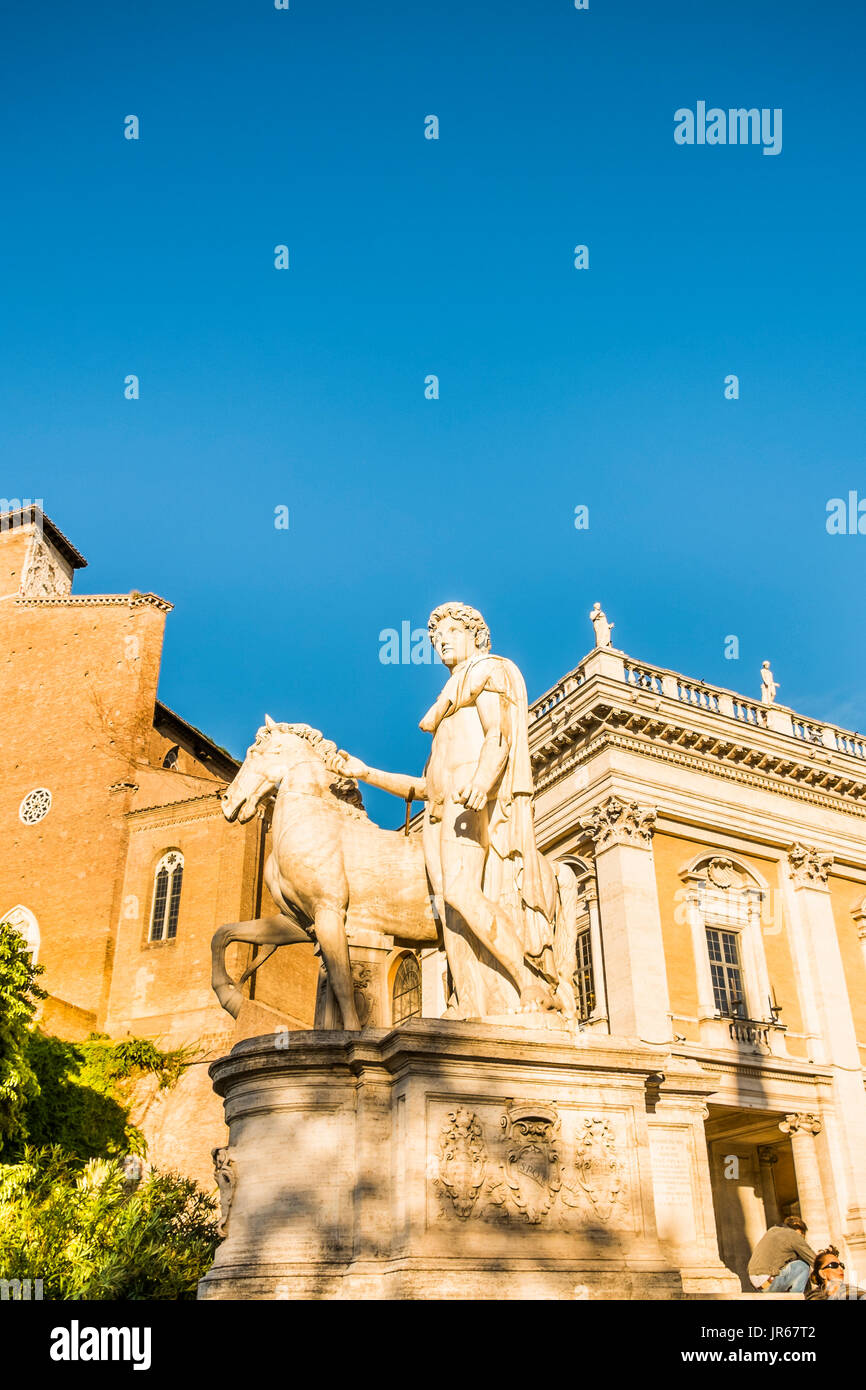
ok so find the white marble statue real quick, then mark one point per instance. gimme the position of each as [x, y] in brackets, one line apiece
[478, 835]
[473, 880]
[769, 686]
[601, 626]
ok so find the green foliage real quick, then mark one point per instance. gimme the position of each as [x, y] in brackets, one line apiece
[67, 1215]
[19, 995]
[89, 1234]
[84, 1092]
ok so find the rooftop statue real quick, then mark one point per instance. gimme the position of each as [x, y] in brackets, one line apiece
[769, 686]
[601, 626]
[474, 880]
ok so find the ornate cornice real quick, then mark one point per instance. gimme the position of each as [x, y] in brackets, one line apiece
[133, 600]
[770, 1070]
[574, 743]
[620, 823]
[204, 807]
[809, 867]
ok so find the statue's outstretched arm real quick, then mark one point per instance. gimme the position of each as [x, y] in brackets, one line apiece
[394, 782]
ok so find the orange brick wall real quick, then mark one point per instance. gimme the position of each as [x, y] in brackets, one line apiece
[79, 685]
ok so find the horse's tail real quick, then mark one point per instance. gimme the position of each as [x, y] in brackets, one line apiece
[565, 936]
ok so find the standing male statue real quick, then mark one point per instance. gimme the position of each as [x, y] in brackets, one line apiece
[769, 685]
[495, 894]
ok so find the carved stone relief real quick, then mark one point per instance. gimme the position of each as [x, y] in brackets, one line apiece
[524, 1171]
[226, 1175]
[597, 1168]
[531, 1173]
[809, 867]
[620, 823]
[42, 578]
[462, 1160]
[722, 874]
[362, 976]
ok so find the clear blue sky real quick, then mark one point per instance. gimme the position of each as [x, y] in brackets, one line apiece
[408, 257]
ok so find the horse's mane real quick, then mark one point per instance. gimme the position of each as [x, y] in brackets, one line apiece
[345, 788]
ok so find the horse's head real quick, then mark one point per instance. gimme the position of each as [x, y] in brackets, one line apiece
[282, 752]
[264, 768]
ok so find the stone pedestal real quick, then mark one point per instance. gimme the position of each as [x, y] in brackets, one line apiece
[460, 1160]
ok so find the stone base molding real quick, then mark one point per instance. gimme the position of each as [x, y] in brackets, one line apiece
[459, 1160]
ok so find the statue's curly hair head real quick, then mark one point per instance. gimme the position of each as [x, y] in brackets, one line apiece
[469, 617]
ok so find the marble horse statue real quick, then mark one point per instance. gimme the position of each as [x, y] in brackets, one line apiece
[331, 871]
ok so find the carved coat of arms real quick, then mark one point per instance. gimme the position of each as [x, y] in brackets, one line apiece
[462, 1160]
[597, 1165]
[531, 1174]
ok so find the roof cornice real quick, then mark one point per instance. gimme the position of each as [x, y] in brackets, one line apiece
[133, 600]
[34, 516]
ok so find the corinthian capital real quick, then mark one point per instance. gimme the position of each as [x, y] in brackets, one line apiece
[620, 823]
[800, 1124]
[809, 867]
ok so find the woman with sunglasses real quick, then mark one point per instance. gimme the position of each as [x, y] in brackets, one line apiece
[827, 1280]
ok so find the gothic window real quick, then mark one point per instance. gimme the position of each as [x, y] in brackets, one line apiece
[406, 990]
[726, 972]
[23, 920]
[584, 981]
[170, 759]
[167, 885]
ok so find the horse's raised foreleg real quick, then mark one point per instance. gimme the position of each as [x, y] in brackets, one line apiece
[330, 928]
[263, 931]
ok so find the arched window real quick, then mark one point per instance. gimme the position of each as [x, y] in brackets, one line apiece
[170, 759]
[167, 884]
[23, 920]
[723, 904]
[406, 990]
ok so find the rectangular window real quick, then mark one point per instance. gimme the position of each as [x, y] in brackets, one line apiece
[174, 903]
[725, 969]
[160, 893]
[583, 977]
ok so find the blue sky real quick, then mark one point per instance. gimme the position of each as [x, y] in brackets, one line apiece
[558, 387]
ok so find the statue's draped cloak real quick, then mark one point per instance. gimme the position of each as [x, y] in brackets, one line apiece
[515, 874]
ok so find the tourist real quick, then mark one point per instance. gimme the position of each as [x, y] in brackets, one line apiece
[827, 1281]
[782, 1260]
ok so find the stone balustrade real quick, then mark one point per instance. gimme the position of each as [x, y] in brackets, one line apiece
[711, 699]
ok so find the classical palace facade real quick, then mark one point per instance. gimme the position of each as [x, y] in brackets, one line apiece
[719, 843]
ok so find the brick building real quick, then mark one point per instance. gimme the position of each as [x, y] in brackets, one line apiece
[115, 858]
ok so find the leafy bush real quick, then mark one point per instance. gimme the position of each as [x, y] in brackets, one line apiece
[82, 1100]
[67, 1214]
[19, 995]
[90, 1234]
